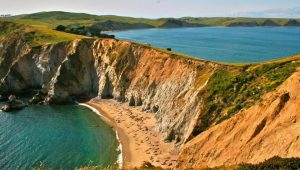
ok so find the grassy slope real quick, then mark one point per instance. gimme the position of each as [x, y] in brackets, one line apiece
[40, 36]
[235, 87]
[36, 35]
[52, 19]
[220, 21]
[275, 163]
[7, 28]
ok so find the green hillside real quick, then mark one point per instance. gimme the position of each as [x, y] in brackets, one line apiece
[111, 22]
[54, 18]
[35, 35]
[221, 21]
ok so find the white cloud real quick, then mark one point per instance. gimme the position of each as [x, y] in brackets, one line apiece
[272, 13]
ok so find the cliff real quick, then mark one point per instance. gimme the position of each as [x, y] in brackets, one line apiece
[128, 72]
[196, 103]
[267, 129]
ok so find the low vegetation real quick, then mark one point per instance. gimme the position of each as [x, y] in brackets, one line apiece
[8, 27]
[222, 21]
[110, 22]
[230, 90]
[83, 30]
[275, 163]
[35, 35]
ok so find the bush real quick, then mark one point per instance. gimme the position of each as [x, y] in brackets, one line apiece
[274, 163]
[60, 28]
[83, 30]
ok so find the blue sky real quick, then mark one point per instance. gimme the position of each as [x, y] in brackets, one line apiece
[159, 8]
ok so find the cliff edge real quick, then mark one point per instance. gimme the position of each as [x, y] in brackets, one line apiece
[216, 113]
[268, 129]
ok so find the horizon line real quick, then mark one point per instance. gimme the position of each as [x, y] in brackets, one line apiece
[13, 15]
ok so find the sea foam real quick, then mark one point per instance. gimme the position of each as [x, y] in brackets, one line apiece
[119, 149]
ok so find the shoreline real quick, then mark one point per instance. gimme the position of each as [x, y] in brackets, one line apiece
[137, 134]
[106, 120]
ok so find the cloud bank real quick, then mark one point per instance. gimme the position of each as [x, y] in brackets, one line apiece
[272, 13]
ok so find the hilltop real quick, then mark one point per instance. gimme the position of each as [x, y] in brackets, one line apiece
[111, 22]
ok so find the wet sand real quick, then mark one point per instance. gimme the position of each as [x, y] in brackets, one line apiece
[138, 136]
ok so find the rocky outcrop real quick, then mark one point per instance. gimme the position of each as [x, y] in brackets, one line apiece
[12, 47]
[76, 76]
[261, 132]
[13, 104]
[33, 68]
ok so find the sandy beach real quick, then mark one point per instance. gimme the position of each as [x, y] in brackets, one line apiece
[136, 130]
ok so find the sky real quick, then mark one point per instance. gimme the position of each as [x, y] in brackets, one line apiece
[160, 8]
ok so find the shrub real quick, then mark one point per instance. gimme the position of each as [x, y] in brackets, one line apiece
[60, 28]
[275, 163]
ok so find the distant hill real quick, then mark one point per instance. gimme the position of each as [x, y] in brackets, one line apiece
[114, 25]
[111, 22]
[292, 23]
[243, 24]
[269, 23]
[175, 23]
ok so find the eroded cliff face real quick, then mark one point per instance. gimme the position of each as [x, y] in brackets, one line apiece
[128, 72]
[270, 128]
[186, 95]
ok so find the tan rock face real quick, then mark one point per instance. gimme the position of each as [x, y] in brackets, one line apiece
[142, 76]
[268, 129]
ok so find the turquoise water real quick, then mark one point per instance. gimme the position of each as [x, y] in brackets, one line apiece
[55, 136]
[242, 44]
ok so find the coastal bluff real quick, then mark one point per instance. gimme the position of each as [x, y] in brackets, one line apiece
[203, 107]
[111, 69]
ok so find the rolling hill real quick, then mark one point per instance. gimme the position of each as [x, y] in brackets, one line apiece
[112, 22]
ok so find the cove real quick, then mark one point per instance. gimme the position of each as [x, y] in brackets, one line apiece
[59, 136]
[224, 44]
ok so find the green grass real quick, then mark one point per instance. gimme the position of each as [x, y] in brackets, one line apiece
[231, 89]
[41, 36]
[35, 35]
[54, 18]
[221, 21]
[275, 163]
[8, 27]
